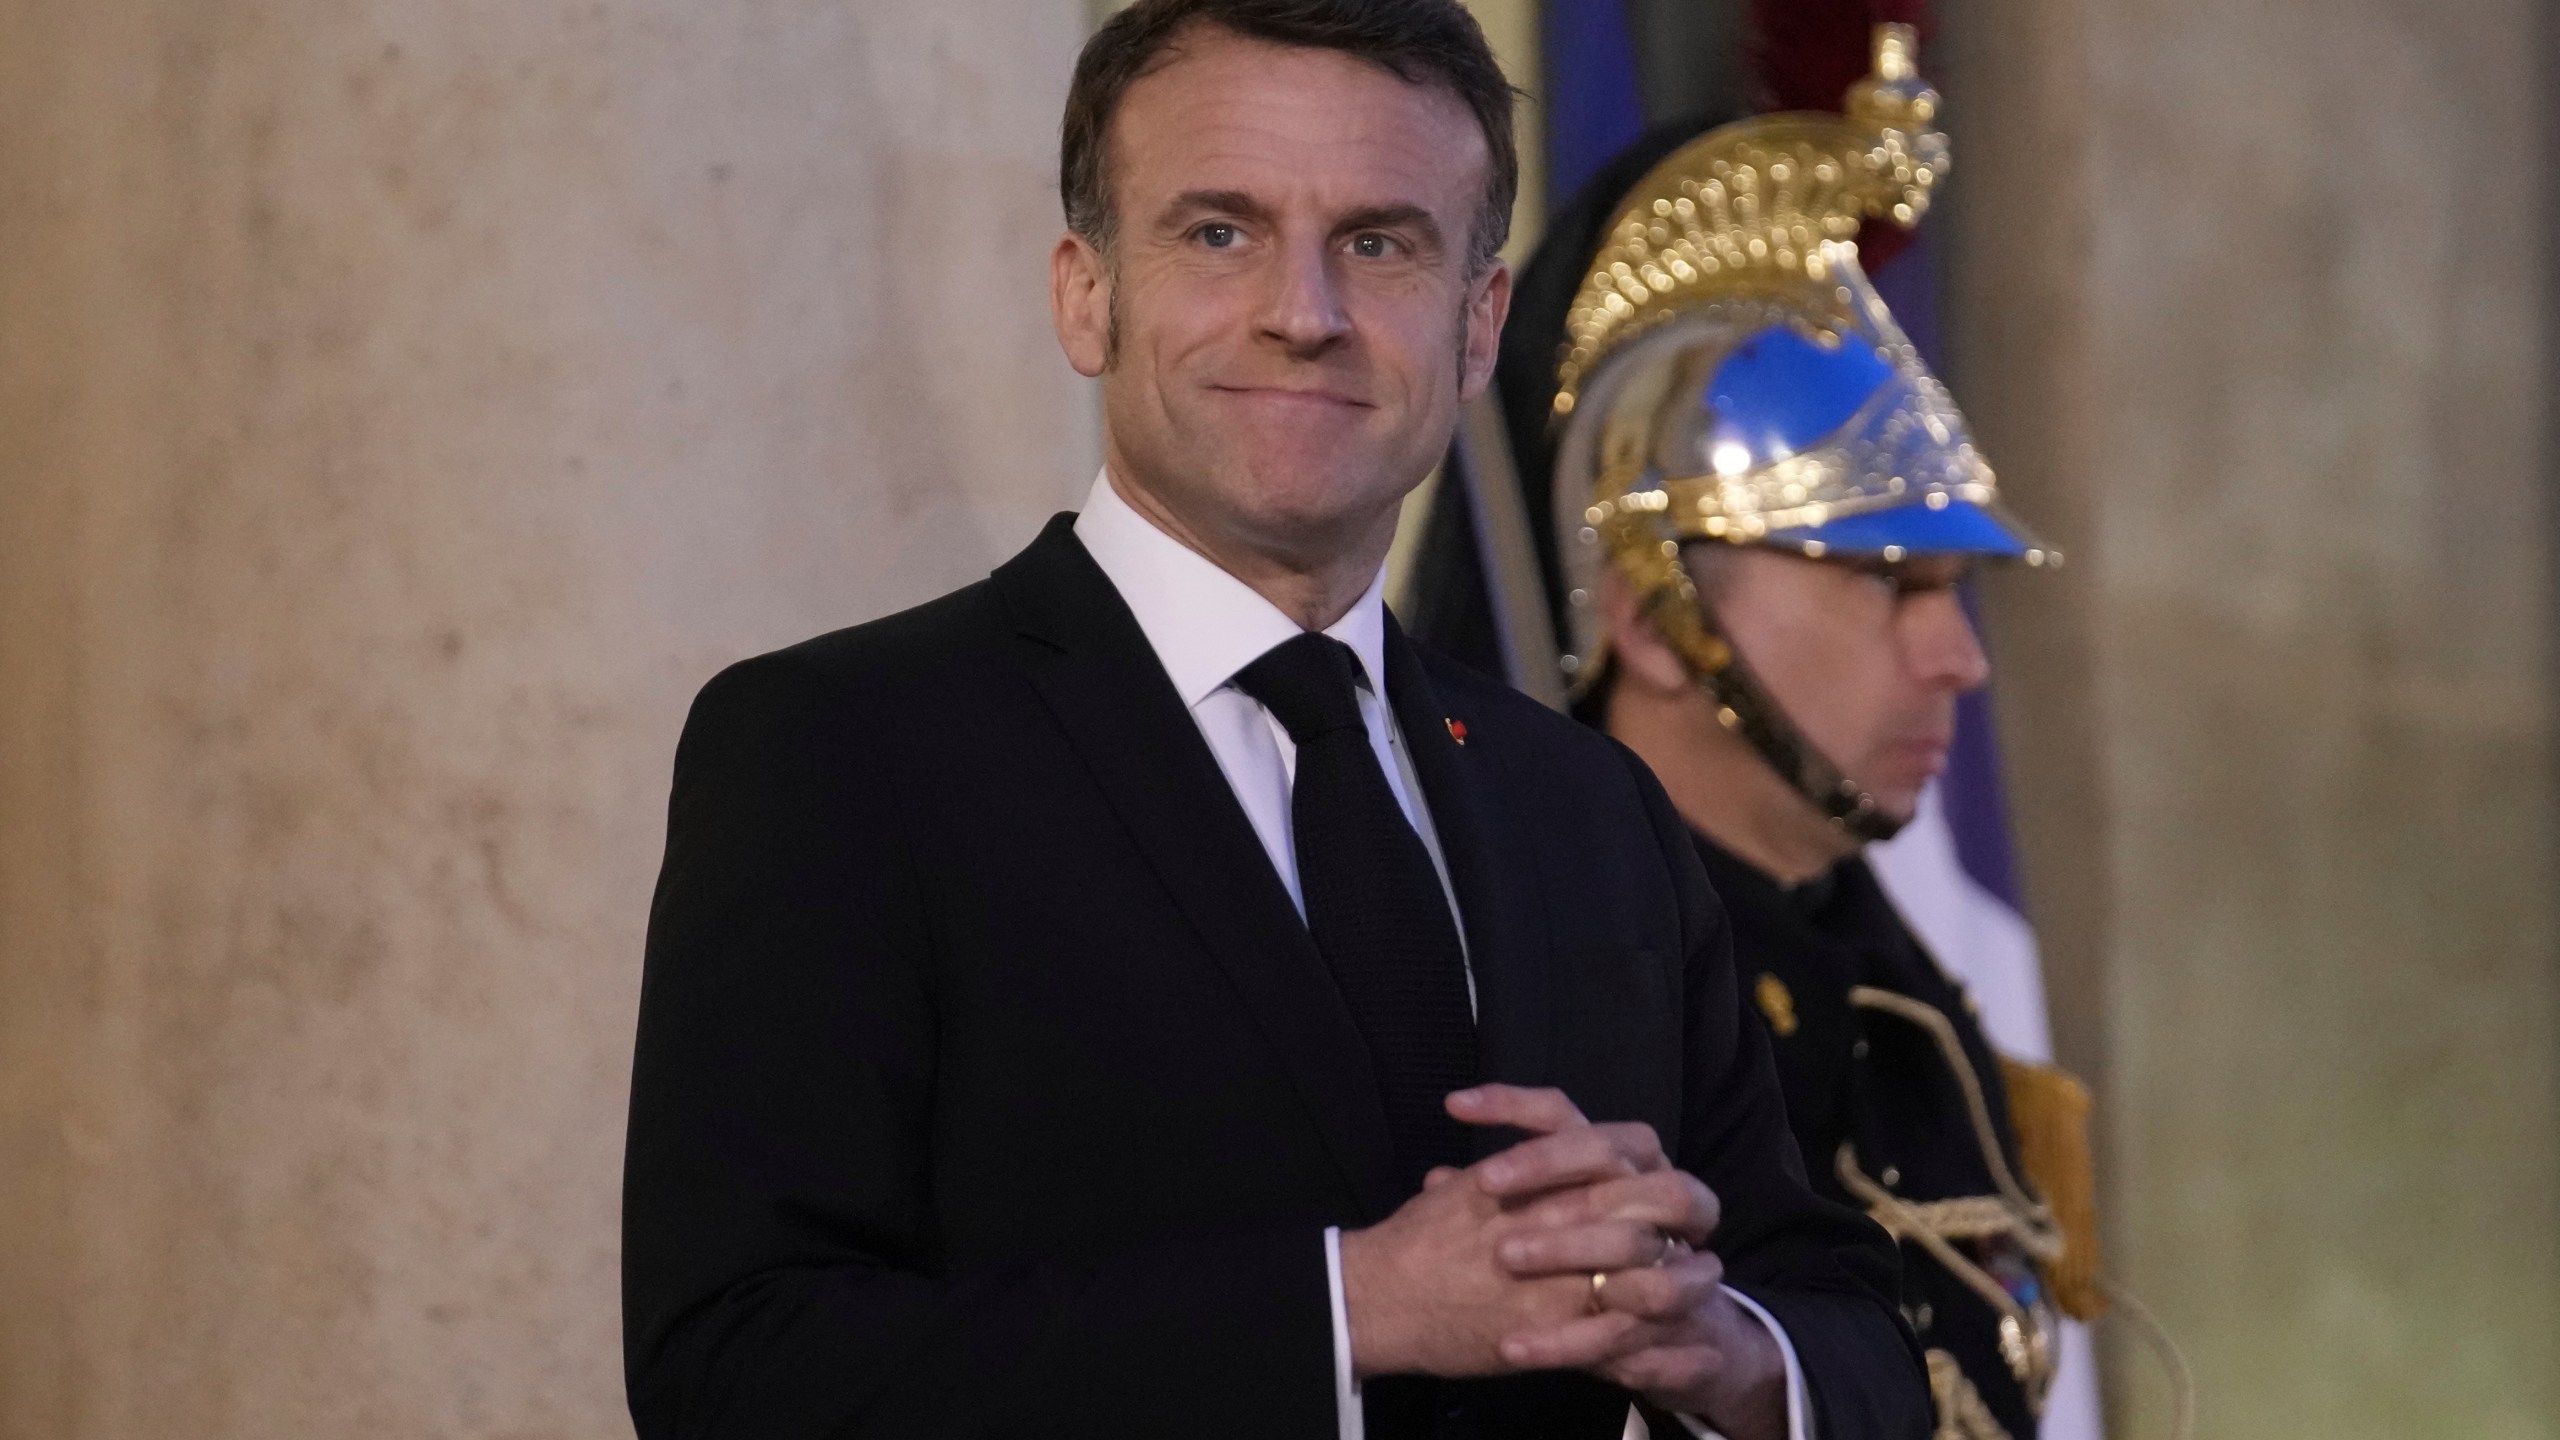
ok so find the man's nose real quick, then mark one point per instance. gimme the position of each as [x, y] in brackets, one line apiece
[1939, 644]
[1303, 308]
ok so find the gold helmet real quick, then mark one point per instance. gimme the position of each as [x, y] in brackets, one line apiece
[1728, 373]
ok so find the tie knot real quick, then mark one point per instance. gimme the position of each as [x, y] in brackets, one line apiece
[1307, 683]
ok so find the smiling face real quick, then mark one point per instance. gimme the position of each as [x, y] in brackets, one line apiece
[1867, 661]
[1287, 325]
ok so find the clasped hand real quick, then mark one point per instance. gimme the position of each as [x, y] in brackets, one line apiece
[1492, 1269]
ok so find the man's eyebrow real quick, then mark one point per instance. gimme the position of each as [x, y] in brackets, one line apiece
[1392, 217]
[1214, 202]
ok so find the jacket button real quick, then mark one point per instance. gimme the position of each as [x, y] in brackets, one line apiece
[1858, 1051]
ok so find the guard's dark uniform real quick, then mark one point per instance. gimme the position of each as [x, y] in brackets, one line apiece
[1696, 358]
[1878, 1104]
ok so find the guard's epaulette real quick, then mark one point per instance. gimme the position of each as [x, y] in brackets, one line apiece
[2049, 1110]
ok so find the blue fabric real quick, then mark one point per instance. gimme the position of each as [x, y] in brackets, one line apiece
[1962, 528]
[1779, 393]
[1594, 108]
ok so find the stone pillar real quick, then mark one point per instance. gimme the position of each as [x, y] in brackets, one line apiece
[405, 407]
[2249, 306]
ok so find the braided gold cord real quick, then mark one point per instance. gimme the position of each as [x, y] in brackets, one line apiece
[1962, 1415]
[1974, 1217]
[2026, 1334]
[1977, 1107]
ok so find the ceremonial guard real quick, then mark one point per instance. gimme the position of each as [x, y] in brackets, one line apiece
[1753, 503]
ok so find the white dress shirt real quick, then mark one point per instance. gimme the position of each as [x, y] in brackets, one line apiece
[1205, 625]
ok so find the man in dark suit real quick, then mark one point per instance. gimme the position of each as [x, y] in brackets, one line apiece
[1140, 994]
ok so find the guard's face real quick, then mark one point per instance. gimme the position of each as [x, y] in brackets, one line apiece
[1288, 327]
[1866, 660]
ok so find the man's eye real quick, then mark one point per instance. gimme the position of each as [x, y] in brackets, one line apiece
[1220, 236]
[1891, 583]
[1373, 247]
[1913, 587]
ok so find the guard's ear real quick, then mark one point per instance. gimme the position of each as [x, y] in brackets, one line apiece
[1643, 656]
[1080, 303]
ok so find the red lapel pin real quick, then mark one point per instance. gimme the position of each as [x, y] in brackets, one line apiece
[1457, 730]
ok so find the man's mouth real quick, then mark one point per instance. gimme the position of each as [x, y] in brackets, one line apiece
[1925, 753]
[1313, 398]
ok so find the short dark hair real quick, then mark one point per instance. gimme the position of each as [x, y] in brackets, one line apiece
[1422, 42]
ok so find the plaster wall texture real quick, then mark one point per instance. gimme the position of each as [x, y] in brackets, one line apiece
[2250, 310]
[403, 409]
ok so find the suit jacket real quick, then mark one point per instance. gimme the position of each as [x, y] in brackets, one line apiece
[1880, 1086]
[988, 1083]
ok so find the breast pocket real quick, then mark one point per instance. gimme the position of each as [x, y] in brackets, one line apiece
[1618, 1029]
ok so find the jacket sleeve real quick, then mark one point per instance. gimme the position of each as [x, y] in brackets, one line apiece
[1828, 1274]
[782, 1272]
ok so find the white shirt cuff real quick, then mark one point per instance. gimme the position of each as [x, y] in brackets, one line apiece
[1346, 1388]
[1799, 1406]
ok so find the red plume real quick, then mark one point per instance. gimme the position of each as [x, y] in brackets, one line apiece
[1807, 53]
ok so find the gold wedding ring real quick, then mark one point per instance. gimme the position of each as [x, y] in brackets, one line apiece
[1671, 1245]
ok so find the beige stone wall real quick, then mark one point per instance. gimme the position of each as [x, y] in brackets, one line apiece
[2248, 306]
[403, 408]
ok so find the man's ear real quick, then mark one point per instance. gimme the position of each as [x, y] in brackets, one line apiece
[1488, 302]
[1644, 657]
[1080, 303]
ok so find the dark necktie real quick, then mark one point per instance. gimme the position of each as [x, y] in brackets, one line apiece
[1373, 900]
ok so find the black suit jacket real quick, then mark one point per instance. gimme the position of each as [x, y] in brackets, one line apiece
[988, 1083]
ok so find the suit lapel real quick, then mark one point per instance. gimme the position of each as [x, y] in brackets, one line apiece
[1097, 673]
[1500, 896]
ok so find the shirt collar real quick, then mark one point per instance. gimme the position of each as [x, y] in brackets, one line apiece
[1204, 623]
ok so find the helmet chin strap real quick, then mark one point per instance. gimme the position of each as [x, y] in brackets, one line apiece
[1744, 706]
